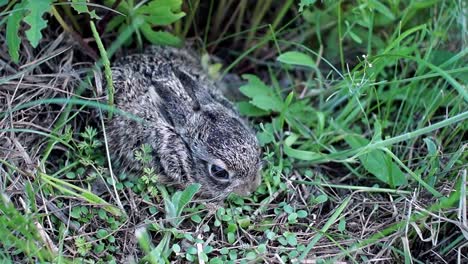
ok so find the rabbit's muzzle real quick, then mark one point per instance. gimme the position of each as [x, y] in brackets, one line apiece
[247, 188]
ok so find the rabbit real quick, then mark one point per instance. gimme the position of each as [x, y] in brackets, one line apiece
[195, 133]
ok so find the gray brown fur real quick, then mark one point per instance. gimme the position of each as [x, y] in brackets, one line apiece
[188, 123]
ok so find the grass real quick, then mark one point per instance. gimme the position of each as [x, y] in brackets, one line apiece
[360, 109]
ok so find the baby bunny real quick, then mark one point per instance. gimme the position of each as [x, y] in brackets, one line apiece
[195, 133]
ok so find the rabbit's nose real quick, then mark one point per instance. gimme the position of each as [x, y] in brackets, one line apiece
[248, 187]
[257, 181]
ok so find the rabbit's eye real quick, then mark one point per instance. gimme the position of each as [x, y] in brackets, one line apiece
[219, 172]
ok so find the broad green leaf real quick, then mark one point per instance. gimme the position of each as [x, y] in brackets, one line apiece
[255, 87]
[3, 2]
[159, 37]
[160, 16]
[34, 19]
[378, 163]
[12, 28]
[163, 19]
[266, 135]
[265, 138]
[80, 6]
[247, 109]
[267, 102]
[297, 58]
[174, 5]
[263, 97]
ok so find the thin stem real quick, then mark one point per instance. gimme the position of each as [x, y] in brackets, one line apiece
[357, 188]
[107, 69]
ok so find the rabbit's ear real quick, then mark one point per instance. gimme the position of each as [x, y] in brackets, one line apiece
[192, 86]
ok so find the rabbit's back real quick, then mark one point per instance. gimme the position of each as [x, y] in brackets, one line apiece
[190, 126]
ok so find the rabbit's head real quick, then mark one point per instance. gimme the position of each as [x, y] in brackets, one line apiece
[224, 150]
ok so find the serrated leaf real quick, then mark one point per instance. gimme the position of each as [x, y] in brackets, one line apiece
[378, 163]
[265, 136]
[255, 87]
[247, 109]
[36, 8]
[159, 15]
[159, 37]
[81, 7]
[305, 3]
[267, 102]
[12, 28]
[297, 58]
